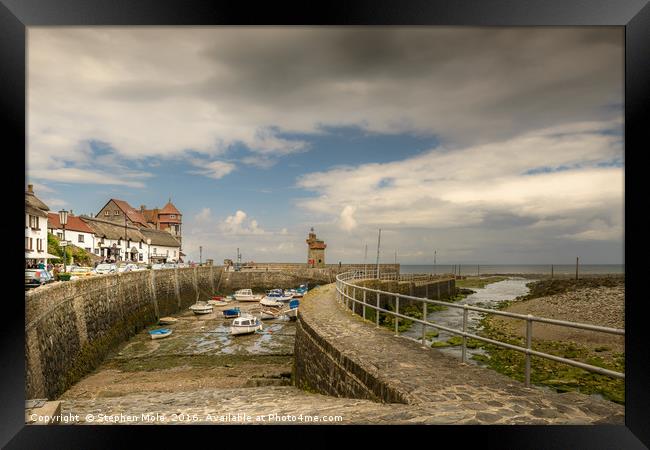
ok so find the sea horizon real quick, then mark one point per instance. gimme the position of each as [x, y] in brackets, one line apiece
[474, 269]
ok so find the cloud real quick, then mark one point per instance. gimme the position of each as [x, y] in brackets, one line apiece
[205, 215]
[238, 224]
[160, 92]
[212, 169]
[485, 188]
[346, 220]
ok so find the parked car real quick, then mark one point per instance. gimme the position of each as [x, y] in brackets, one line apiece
[77, 272]
[129, 267]
[37, 277]
[102, 269]
[157, 266]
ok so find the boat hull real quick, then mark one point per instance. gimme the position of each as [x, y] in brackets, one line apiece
[160, 335]
[167, 320]
[237, 330]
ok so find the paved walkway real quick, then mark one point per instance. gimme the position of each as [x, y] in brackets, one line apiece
[442, 385]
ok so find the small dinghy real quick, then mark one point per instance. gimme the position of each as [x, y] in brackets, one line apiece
[245, 325]
[201, 308]
[230, 313]
[246, 295]
[270, 312]
[167, 320]
[160, 333]
[292, 312]
[214, 302]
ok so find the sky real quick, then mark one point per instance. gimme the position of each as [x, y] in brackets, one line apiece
[485, 145]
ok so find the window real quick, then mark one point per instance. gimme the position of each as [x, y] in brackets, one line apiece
[107, 213]
[155, 250]
[26, 243]
[167, 254]
[174, 253]
[140, 256]
[31, 244]
[119, 241]
[140, 244]
[172, 216]
[59, 235]
[117, 213]
[96, 251]
[87, 249]
[81, 238]
[33, 222]
[39, 245]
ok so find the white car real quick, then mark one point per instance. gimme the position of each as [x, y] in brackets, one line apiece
[127, 268]
[102, 269]
[157, 266]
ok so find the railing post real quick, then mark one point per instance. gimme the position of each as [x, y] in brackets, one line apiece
[464, 356]
[424, 317]
[396, 318]
[354, 299]
[529, 342]
[377, 310]
[364, 305]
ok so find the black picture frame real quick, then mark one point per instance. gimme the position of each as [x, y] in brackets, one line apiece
[634, 15]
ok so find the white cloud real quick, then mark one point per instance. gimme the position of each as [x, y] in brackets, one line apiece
[213, 169]
[205, 215]
[238, 224]
[346, 220]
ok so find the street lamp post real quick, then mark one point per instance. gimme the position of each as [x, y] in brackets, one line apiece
[63, 218]
[149, 250]
[200, 255]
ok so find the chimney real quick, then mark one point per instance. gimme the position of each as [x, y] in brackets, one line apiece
[30, 188]
[72, 214]
[142, 208]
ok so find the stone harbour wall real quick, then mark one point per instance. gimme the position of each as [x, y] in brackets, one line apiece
[325, 365]
[71, 326]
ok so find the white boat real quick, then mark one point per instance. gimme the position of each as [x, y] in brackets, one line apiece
[276, 298]
[217, 302]
[167, 320]
[245, 325]
[201, 308]
[246, 295]
[160, 333]
[271, 313]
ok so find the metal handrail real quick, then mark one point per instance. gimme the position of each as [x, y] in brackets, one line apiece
[343, 288]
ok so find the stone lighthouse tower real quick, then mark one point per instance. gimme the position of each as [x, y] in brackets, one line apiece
[316, 252]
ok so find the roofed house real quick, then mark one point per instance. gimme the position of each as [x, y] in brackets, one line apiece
[115, 241]
[35, 229]
[119, 210]
[164, 247]
[169, 219]
[76, 231]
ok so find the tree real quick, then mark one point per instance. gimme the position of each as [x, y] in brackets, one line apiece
[72, 252]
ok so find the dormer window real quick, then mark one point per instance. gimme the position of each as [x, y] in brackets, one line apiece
[117, 213]
[107, 213]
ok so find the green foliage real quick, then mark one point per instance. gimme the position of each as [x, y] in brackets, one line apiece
[71, 252]
[561, 377]
[478, 282]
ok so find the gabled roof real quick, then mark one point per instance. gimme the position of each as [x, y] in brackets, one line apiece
[74, 223]
[160, 237]
[133, 214]
[169, 208]
[34, 211]
[112, 230]
[34, 202]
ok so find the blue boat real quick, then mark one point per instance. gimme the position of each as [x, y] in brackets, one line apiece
[160, 333]
[230, 313]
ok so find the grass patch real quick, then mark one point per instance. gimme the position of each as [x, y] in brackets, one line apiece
[561, 377]
[438, 344]
[478, 282]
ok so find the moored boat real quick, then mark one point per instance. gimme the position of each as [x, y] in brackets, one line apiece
[230, 313]
[245, 325]
[275, 297]
[292, 312]
[246, 295]
[167, 320]
[214, 302]
[201, 308]
[271, 312]
[160, 333]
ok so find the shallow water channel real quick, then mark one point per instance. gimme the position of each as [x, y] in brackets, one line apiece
[487, 297]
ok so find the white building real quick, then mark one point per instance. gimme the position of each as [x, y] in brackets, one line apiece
[164, 247]
[116, 242]
[35, 229]
[77, 231]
